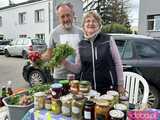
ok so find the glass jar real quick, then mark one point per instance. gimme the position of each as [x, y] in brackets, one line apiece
[74, 86]
[102, 110]
[121, 107]
[124, 100]
[56, 106]
[108, 98]
[84, 86]
[116, 115]
[48, 100]
[77, 107]
[39, 100]
[65, 84]
[89, 110]
[66, 106]
[58, 88]
[115, 94]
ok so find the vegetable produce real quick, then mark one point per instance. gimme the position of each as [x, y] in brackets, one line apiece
[60, 52]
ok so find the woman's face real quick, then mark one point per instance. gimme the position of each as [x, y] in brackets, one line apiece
[91, 25]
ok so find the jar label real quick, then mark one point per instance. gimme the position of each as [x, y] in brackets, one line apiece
[87, 115]
[75, 110]
[65, 110]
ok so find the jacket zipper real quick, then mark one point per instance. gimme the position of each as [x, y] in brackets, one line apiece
[81, 76]
[94, 76]
[96, 53]
[111, 78]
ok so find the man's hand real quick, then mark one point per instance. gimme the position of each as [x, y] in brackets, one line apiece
[47, 55]
[121, 90]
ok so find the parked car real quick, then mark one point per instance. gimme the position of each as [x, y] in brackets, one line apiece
[22, 46]
[139, 54]
[3, 44]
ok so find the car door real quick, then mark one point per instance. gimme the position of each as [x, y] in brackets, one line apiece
[149, 59]
[11, 47]
[127, 52]
[19, 47]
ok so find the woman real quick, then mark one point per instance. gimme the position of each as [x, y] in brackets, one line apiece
[97, 59]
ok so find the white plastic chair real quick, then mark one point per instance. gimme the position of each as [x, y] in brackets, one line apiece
[132, 84]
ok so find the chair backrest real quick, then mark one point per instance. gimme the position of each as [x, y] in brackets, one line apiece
[132, 85]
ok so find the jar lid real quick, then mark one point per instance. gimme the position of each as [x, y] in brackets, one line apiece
[116, 114]
[39, 94]
[84, 82]
[89, 103]
[56, 85]
[102, 102]
[107, 97]
[120, 107]
[113, 92]
[124, 98]
[75, 81]
[64, 82]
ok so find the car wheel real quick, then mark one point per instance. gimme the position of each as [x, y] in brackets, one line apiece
[35, 77]
[6, 53]
[24, 55]
[154, 97]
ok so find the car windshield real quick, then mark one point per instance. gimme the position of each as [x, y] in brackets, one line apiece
[38, 42]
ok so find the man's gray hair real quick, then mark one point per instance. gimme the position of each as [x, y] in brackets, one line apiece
[64, 4]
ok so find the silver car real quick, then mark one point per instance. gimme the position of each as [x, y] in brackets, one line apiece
[22, 46]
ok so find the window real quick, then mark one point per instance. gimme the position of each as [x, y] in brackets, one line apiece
[22, 18]
[39, 15]
[40, 36]
[153, 22]
[147, 50]
[22, 36]
[0, 21]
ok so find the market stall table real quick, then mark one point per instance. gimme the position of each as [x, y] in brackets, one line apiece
[43, 114]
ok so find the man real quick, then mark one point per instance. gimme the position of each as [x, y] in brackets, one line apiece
[65, 32]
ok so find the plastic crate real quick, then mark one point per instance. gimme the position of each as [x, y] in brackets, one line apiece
[16, 112]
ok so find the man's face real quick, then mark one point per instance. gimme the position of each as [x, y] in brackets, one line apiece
[65, 15]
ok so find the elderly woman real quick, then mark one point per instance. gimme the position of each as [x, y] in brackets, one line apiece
[98, 59]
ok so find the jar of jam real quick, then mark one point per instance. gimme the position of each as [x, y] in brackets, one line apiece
[66, 105]
[39, 100]
[58, 88]
[116, 115]
[84, 86]
[102, 110]
[77, 107]
[65, 84]
[48, 100]
[89, 110]
[74, 86]
[115, 94]
[121, 107]
[56, 106]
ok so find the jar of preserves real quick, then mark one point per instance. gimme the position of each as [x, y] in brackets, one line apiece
[77, 107]
[121, 107]
[124, 100]
[39, 100]
[74, 86]
[108, 98]
[116, 115]
[48, 100]
[89, 110]
[66, 86]
[58, 88]
[115, 94]
[84, 86]
[66, 105]
[56, 106]
[102, 110]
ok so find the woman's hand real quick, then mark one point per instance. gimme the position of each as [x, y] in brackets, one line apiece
[121, 90]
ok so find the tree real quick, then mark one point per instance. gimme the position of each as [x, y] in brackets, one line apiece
[111, 11]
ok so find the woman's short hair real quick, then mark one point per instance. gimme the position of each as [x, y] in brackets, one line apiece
[93, 14]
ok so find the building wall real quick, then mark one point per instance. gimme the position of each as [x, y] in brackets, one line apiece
[148, 7]
[10, 19]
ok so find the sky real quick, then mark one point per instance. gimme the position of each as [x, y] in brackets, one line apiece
[133, 10]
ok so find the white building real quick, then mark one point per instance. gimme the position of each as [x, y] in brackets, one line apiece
[33, 18]
[149, 18]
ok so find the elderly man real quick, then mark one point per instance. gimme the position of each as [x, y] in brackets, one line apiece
[66, 31]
